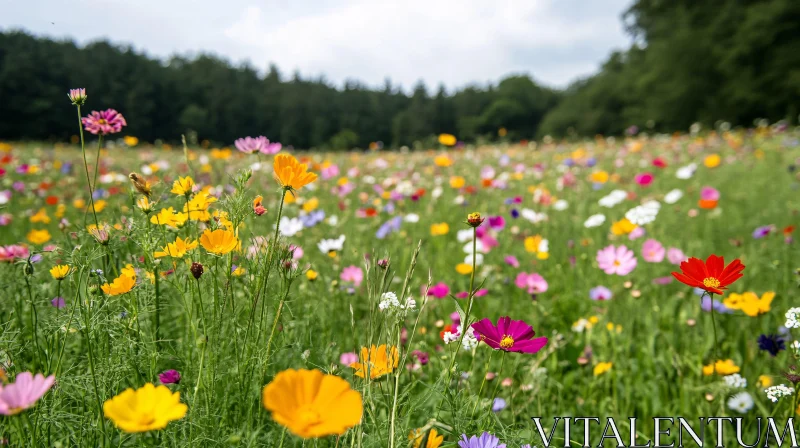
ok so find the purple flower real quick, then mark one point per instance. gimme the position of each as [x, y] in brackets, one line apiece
[771, 343]
[104, 122]
[77, 96]
[392, 225]
[763, 231]
[719, 307]
[498, 404]
[514, 213]
[58, 302]
[600, 293]
[497, 222]
[169, 377]
[251, 145]
[312, 218]
[508, 335]
[486, 440]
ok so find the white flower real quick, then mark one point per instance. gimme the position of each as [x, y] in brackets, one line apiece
[673, 196]
[478, 259]
[580, 325]
[532, 216]
[436, 192]
[449, 337]
[561, 205]
[595, 221]
[643, 214]
[368, 179]
[458, 200]
[388, 300]
[795, 346]
[686, 172]
[775, 393]
[544, 246]
[331, 245]
[741, 402]
[613, 198]
[792, 320]
[411, 304]
[333, 220]
[736, 381]
[470, 341]
[411, 217]
[289, 226]
[464, 235]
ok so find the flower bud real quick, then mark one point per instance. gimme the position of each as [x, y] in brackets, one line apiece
[383, 263]
[197, 270]
[474, 219]
[77, 96]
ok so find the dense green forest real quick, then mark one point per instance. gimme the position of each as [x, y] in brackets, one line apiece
[732, 60]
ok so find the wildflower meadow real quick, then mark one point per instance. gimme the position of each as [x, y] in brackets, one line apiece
[254, 294]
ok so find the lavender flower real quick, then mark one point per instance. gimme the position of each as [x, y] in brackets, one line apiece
[486, 440]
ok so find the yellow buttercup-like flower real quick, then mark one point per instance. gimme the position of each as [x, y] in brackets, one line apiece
[60, 272]
[144, 204]
[439, 229]
[121, 285]
[623, 227]
[176, 249]
[418, 436]
[219, 242]
[443, 161]
[726, 367]
[457, 182]
[290, 173]
[464, 268]
[182, 186]
[41, 217]
[198, 206]
[602, 367]
[38, 236]
[749, 303]
[311, 404]
[379, 361]
[145, 409]
[168, 217]
[447, 139]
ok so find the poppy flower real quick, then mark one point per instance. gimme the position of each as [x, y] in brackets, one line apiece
[712, 276]
[508, 335]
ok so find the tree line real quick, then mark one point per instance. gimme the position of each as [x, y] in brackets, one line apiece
[690, 61]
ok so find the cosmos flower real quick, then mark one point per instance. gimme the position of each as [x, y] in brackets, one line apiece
[749, 303]
[169, 377]
[331, 246]
[290, 226]
[77, 96]
[508, 335]
[121, 285]
[352, 274]
[219, 242]
[291, 174]
[595, 221]
[24, 392]
[675, 255]
[726, 367]
[673, 196]
[653, 251]
[600, 293]
[104, 122]
[168, 217]
[741, 402]
[643, 214]
[145, 409]
[616, 260]
[763, 231]
[252, 145]
[533, 283]
[712, 276]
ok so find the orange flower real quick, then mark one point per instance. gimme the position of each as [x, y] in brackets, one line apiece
[291, 174]
[378, 361]
[219, 242]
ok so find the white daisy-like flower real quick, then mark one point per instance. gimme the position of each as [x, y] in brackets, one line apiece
[333, 220]
[464, 235]
[741, 402]
[458, 200]
[736, 381]
[331, 245]
[792, 316]
[643, 214]
[532, 216]
[478, 259]
[436, 192]
[775, 393]
[290, 226]
[449, 337]
[595, 221]
[795, 346]
[368, 179]
[580, 325]
[613, 198]
[411, 304]
[673, 196]
[470, 341]
[561, 205]
[411, 217]
[388, 300]
[686, 172]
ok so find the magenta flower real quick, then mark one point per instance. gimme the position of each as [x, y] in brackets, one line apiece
[600, 293]
[653, 251]
[13, 251]
[24, 392]
[709, 194]
[352, 274]
[439, 290]
[170, 376]
[479, 293]
[644, 179]
[676, 256]
[497, 222]
[512, 261]
[251, 145]
[329, 171]
[348, 358]
[509, 335]
[616, 260]
[105, 122]
[533, 283]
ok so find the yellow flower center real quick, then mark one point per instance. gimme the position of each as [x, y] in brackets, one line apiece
[711, 282]
[101, 121]
[507, 341]
[307, 417]
[616, 263]
[146, 419]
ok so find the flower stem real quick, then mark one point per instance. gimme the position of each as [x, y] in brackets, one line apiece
[86, 167]
[714, 326]
[97, 160]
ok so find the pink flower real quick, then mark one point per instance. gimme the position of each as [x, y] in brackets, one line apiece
[709, 194]
[616, 260]
[170, 376]
[104, 122]
[329, 171]
[533, 283]
[653, 251]
[659, 162]
[478, 293]
[676, 256]
[252, 145]
[497, 222]
[636, 233]
[512, 261]
[508, 335]
[297, 252]
[439, 290]
[23, 392]
[352, 274]
[13, 251]
[644, 179]
[348, 358]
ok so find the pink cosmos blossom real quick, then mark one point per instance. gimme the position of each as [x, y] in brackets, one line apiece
[24, 392]
[512, 261]
[616, 260]
[297, 252]
[709, 194]
[171, 376]
[497, 222]
[439, 290]
[653, 251]
[675, 255]
[352, 274]
[104, 122]
[636, 233]
[533, 283]
[252, 145]
[508, 335]
[330, 171]
[12, 252]
[644, 179]
[600, 293]
[348, 358]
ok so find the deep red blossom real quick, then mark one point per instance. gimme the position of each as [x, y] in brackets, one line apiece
[712, 276]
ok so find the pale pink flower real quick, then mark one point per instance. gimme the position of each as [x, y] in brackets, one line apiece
[533, 283]
[653, 251]
[616, 260]
[675, 255]
[24, 392]
[348, 358]
[352, 274]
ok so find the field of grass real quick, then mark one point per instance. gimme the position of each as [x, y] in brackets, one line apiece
[263, 306]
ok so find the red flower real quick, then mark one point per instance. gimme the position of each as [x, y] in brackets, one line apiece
[712, 276]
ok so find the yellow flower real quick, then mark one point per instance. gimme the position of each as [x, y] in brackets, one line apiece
[311, 275]
[726, 367]
[464, 268]
[712, 161]
[177, 249]
[79, 203]
[311, 404]
[129, 270]
[439, 229]
[60, 272]
[145, 409]
[144, 204]
[131, 140]
[38, 236]
[121, 285]
[99, 205]
[311, 204]
[443, 161]
[219, 242]
[41, 217]
[502, 132]
[765, 381]
[457, 182]
[221, 154]
[238, 272]
[599, 177]
[434, 439]
[182, 186]
[447, 139]
[198, 206]
[378, 361]
[602, 367]
[538, 245]
[623, 227]
[749, 302]
[168, 217]
[60, 210]
[291, 174]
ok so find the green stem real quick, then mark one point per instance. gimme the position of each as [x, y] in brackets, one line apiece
[714, 325]
[97, 160]
[86, 167]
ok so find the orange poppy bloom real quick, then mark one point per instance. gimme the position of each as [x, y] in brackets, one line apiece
[291, 174]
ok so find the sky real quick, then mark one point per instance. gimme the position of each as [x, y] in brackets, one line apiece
[450, 42]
